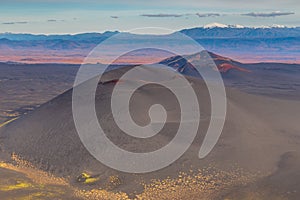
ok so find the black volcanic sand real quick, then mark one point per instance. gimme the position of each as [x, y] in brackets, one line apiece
[23, 87]
[261, 136]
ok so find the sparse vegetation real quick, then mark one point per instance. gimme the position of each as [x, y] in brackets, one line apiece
[87, 178]
[204, 184]
[113, 182]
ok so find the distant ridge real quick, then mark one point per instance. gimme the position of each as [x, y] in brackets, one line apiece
[73, 37]
[212, 30]
[218, 30]
[219, 25]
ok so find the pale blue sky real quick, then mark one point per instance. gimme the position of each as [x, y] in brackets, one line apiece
[75, 16]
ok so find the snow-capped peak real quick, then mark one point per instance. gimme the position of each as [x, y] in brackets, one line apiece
[215, 25]
[236, 26]
[219, 25]
[278, 26]
[272, 26]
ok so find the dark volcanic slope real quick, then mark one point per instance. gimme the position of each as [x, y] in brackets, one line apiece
[23, 87]
[260, 134]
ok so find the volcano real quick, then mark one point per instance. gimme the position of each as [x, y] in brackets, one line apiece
[261, 134]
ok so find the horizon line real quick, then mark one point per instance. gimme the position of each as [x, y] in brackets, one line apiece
[128, 31]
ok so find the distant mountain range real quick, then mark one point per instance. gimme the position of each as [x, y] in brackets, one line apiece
[76, 37]
[214, 30]
[217, 30]
[247, 44]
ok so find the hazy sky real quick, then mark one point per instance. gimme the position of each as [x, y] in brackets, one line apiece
[74, 16]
